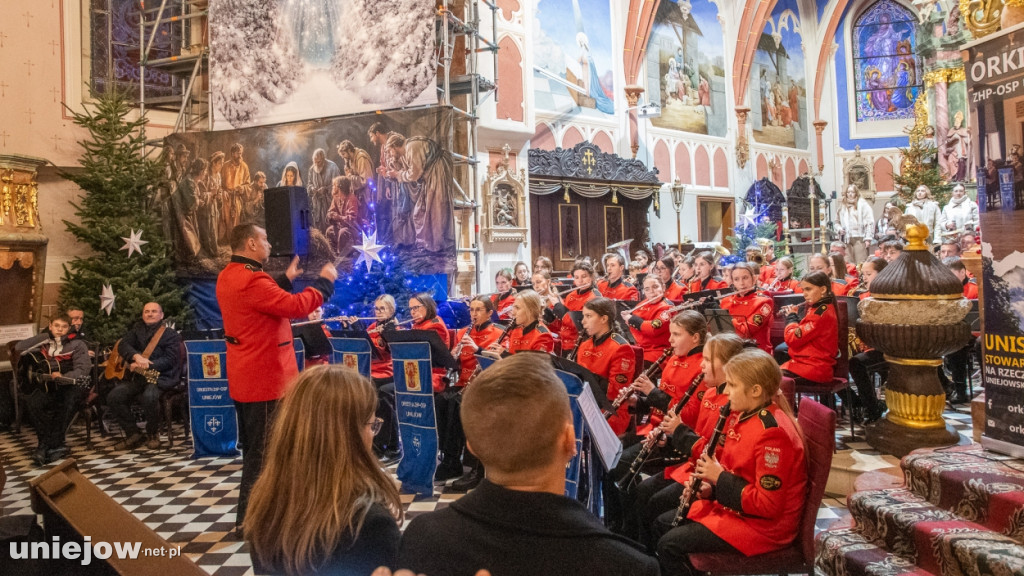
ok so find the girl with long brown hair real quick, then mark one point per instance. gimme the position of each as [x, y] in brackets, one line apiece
[322, 502]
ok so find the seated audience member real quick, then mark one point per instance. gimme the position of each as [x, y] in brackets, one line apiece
[754, 488]
[51, 412]
[322, 504]
[866, 358]
[517, 522]
[811, 340]
[957, 362]
[949, 248]
[968, 242]
[149, 345]
[891, 250]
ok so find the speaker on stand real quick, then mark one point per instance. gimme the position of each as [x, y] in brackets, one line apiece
[288, 220]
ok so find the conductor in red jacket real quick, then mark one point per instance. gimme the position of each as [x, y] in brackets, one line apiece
[261, 358]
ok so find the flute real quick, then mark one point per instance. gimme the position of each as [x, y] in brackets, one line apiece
[694, 487]
[346, 319]
[644, 303]
[792, 308]
[388, 326]
[567, 290]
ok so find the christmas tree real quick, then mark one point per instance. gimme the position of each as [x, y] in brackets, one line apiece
[130, 258]
[919, 164]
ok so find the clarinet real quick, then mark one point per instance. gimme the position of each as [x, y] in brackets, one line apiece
[694, 487]
[653, 439]
[508, 331]
[575, 349]
[628, 391]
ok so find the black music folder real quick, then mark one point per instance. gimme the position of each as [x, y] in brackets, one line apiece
[598, 385]
[440, 356]
[313, 339]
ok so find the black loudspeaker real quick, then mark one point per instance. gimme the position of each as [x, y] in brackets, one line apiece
[287, 209]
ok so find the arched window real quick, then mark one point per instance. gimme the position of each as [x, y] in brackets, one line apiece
[887, 73]
[113, 44]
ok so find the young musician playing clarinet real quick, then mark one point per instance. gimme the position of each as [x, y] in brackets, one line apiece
[527, 332]
[811, 341]
[705, 278]
[649, 321]
[542, 285]
[607, 354]
[583, 280]
[688, 330]
[687, 430]
[505, 295]
[751, 311]
[754, 488]
[470, 341]
[663, 269]
[386, 444]
[614, 285]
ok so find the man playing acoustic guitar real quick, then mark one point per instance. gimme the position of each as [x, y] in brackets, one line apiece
[152, 357]
[54, 364]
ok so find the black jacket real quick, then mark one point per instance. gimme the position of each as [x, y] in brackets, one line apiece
[166, 357]
[513, 533]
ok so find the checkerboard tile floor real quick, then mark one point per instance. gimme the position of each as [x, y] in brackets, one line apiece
[191, 503]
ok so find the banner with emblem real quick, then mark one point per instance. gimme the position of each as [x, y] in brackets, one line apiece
[352, 353]
[212, 412]
[414, 401]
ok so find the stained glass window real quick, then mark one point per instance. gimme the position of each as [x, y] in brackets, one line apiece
[887, 72]
[115, 47]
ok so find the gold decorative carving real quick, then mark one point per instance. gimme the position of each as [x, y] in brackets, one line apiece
[945, 76]
[981, 16]
[742, 145]
[912, 361]
[914, 410]
[505, 202]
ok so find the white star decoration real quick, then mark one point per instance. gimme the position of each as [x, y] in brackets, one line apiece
[134, 243]
[368, 251]
[107, 299]
[748, 218]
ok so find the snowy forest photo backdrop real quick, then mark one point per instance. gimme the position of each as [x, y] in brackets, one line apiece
[288, 60]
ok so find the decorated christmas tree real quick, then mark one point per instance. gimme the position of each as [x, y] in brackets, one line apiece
[130, 262]
[918, 165]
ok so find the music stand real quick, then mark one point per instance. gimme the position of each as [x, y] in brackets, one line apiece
[719, 321]
[440, 357]
[577, 319]
[598, 385]
[359, 333]
[709, 294]
[313, 339]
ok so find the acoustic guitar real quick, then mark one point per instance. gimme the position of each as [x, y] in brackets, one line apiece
[117, 368]
[36, 374]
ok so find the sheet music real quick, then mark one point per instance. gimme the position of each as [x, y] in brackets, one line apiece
[603, 438]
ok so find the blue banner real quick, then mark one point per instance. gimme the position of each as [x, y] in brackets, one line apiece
[300, 353]
[982, 190]
[214, 427]
[353, 353]
[414, 400]
[573, 385]
[1006, 189]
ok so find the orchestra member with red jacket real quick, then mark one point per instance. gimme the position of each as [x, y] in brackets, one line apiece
[614, 284]
[481, 335]
[811, 341]
[608, 355]
[549, 296]
[664, 271]
[505, 295]
[386, 444]
[783, 280]
[759, 474]
[649, 321]
[423, 310]
[528, 332]
[751, 311]
[583, 280]
[706, 278]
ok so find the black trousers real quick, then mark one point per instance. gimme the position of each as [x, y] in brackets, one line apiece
[654, 496]
[119, 400]
[781, 353]
[865, 388]
[51, 412]
[254, 421]
[451, 440]
[676, 544]
[956, 363]
[388, 438]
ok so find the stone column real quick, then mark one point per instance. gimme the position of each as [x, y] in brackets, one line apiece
[819, 128]
[742, 145]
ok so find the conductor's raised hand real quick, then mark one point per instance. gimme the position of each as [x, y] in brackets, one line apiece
[329, 272]
[293, 270]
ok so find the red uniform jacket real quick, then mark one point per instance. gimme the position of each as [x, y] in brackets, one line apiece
[703, 411]
[573, 302]
[677, 374]
[767, 274]
[813, 343]
[777, 285]
[483, 335]
[675, 292]
[611, 357]
[752, 317]
[970, 289]
[761, 493]
[618, 290]
[503, 304]
[843, 286]
[709, 283]
[851, 269]
[256, 310]
[536, 336]
[436, 374]
[649, 325]
[382, 368]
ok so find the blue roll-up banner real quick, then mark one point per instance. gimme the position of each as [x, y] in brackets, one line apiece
[414, 400]
[353, 353]
[1006, 195]
[214, 427]
[574, 386]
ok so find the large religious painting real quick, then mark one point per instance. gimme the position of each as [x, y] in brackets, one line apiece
[887, 73]
[385, 174]
[292, 60]
[686, 67]
[572, 57]
[778, 86]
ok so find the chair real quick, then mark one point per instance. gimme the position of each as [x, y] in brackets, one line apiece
[15, 386]
[841, 372]
[788, 390]
[638, 365]
[174, 396]
[819, 427]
